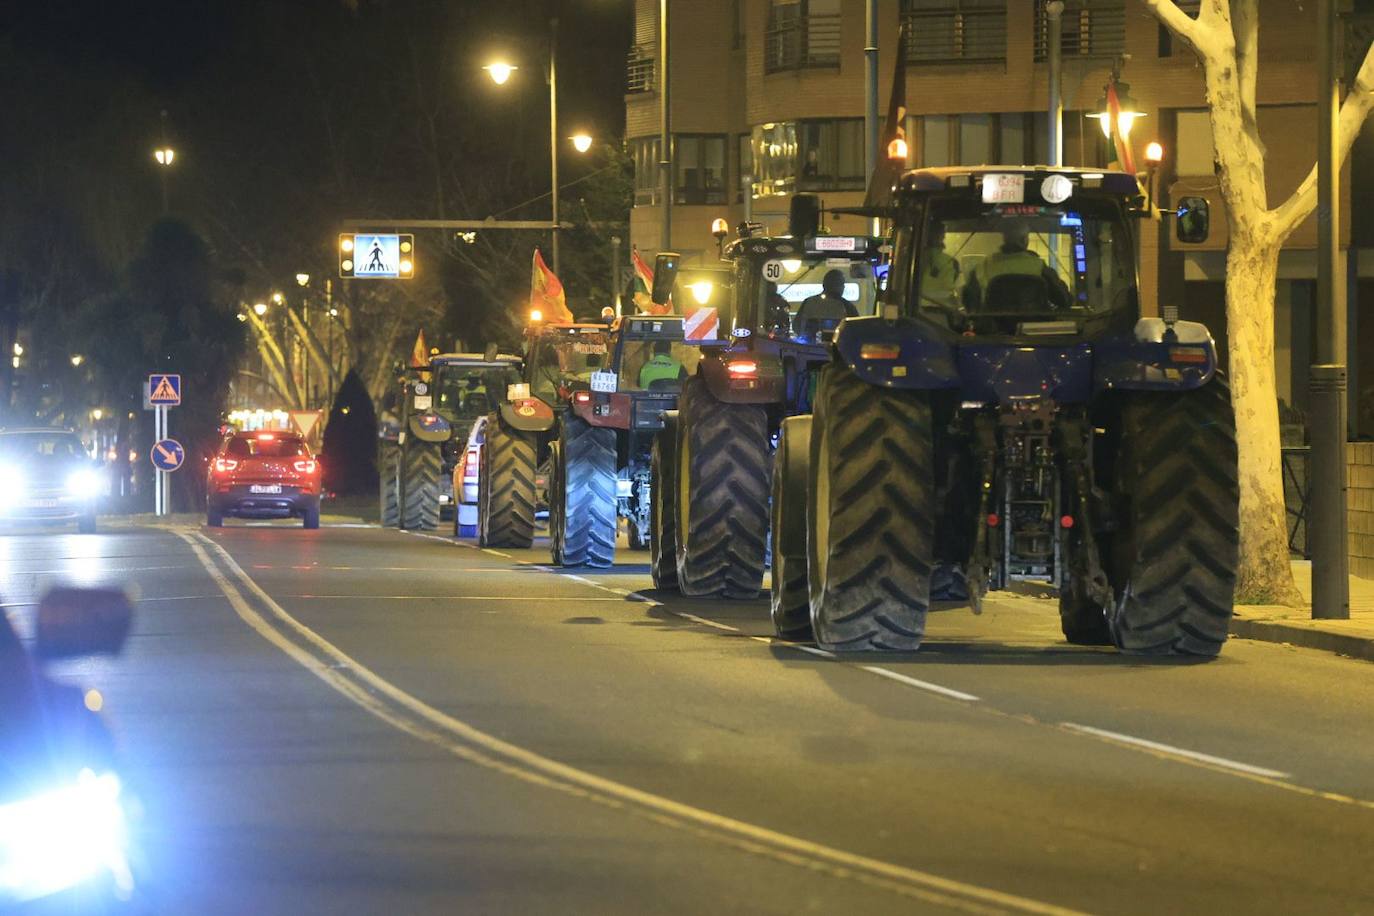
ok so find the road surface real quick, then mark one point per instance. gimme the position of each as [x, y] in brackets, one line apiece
[354, 720]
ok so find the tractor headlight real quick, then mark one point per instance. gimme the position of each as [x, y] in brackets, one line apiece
[84, 484]
[11, 484]
[59, 839]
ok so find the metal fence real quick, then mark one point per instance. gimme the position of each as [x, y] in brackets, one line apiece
[966, 31]
[1295, 493]
[639, 71]
[796, 42]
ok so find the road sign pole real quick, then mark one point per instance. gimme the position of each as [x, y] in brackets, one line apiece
[157, 474]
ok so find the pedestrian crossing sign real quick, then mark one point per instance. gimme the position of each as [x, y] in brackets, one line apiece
[164, 390]
[377, 255]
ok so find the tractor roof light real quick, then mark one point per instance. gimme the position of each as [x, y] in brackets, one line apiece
[536, 316]
[1154, 153]
[897, 149]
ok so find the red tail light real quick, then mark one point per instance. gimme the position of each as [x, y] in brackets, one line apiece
[222, 465]
[582, 397]
[307, 466]
[471, 471]
[742, 367]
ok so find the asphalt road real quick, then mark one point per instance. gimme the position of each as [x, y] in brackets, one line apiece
[353, 720]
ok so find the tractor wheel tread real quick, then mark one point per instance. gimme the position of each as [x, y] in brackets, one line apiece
[506, 487]
[583, 521]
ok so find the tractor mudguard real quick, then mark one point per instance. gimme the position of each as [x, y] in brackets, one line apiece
[921, 360]
[1144, 360]
[603, 409]
[731, 380]
[529, 415]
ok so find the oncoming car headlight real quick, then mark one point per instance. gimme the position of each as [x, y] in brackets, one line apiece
[59, 839]
[84, 484]
[11, 483]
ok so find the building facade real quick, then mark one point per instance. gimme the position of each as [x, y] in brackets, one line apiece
[767, 100]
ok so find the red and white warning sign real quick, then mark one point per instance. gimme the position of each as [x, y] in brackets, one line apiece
[701, 323]
[305, 421]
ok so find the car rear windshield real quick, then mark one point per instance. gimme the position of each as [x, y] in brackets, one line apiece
[276, 447]
[41, 445]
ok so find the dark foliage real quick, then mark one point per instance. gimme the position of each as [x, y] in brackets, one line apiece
[349, 454]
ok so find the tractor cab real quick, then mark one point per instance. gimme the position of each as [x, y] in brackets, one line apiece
[466, 386]
[561, 358]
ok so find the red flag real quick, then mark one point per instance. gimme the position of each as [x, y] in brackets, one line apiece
[419, 356]
[644, 285]
[546, 292]
[1123, 146]
[887, 169]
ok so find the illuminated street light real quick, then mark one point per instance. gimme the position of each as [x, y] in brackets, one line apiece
[1126, 114]
[259, 308]
[164, 155]
[302, 279]
[581, 142]
[77, 359]
[242, 316]
[18, 348]
[500, 71]
[333, 313]
[97, 414]
[278, 298]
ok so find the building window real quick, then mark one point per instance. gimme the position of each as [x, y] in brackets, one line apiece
[644, 154]
[955, 31]
[1005, 138]
[775, 158]
[699, 162]
[831, 155]
[802, 34]
[1087, 28]
[1195, 152]
[744, 166]
[639, 70]
[1167, 43]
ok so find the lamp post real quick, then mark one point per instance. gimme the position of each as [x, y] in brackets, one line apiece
[303, 281]
[500, 72]
[1117, 94]
[164, 155]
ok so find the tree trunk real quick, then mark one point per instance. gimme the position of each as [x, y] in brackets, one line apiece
[1251, 273]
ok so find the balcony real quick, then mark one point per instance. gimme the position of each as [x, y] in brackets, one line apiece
[639, 71]
[971, 31]
[797, 42]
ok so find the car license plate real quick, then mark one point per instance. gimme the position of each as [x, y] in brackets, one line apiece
[265, 488]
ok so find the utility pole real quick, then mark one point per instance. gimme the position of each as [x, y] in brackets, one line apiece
[615, 273]
[1328, 533]
[553, 132]
[871, 128]
[665, 137]
[1054, 9]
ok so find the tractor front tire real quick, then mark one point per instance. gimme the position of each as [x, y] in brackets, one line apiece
[421, 466]
[582, 500]
[870, 514]
[722, 495]
[1175, 557]
[791, 602]
[387, 466]
[505, 490]
[662, 510]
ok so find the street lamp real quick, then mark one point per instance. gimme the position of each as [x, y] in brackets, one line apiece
[1126, 110]
[500, 72]
[278, 298]
[302, 279]
[77, 359]
[581, 142]
[259, 308]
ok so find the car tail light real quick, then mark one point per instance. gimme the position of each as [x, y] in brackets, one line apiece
[306, 466]
[470, 465]
[267, 436]
[742, 367]
[1066, 521]
[223, 465]
[880, 351]
[582, 397]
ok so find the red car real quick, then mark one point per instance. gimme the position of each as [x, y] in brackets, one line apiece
[263, 475]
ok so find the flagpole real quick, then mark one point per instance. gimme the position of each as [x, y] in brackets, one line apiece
[553, 132]
[871, 93]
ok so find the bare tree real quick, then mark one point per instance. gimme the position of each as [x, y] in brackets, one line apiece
[1225, 38]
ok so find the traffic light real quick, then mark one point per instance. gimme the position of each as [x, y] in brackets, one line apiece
[345, 254]
[377, 255]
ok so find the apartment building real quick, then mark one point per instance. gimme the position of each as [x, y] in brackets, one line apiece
[767, 100]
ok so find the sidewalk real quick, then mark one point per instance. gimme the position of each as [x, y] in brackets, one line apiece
[1295, 626]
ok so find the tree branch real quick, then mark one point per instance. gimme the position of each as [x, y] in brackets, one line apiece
[1184, 26]
[1354, 110]
[1245, 30]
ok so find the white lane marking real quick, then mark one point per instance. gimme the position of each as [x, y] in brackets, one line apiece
[496, 553]
[342, 673]
[1170, 750]
[811, 650]
[704, 622]
[920, 684]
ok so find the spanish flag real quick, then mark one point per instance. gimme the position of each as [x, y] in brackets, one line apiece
[419, 356]
[1124, 160]
[546, 292]
[644, 284]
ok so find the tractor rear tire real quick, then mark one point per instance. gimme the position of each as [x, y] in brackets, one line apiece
[662, 510]
[391, 513]
[422, 466]
[722, 495]
[870, 514]
[1175, 557]
[582, 498]
[505, 491]
[791, 601]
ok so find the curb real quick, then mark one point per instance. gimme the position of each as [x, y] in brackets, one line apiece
[1360, 647]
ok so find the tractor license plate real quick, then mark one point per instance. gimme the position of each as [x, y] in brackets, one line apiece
[265, 488]
[1004, 189]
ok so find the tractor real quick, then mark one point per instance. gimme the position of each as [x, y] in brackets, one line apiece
[599, 459]
[1010, 412]
[520, 429]
[439, 403]
[711, 462]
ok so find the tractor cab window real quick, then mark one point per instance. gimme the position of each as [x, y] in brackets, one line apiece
[567, 362]
[1014, 259]
[656, 364]
[469, 392]
[813, 295]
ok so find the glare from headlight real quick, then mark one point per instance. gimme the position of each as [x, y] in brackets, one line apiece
[84, 484]
[57, 840]
[11, 484]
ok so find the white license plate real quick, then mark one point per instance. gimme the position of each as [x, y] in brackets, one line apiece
[604, 381]
[265, 488]
[1004, 189]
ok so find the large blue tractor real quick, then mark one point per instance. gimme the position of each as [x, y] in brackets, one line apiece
[1010, 413]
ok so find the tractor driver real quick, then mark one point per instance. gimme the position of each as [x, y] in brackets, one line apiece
[1014, 258]
[662, 365]
[939, 270]
[830, 305]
